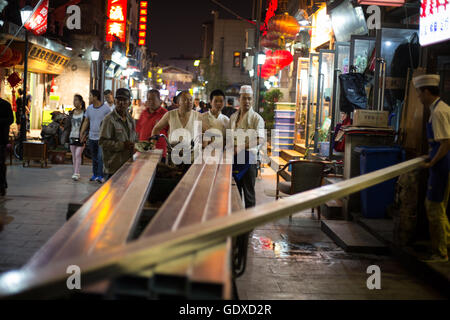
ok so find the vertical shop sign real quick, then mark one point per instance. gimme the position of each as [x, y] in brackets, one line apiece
[116, 25]
[143, 7]
[434, 21]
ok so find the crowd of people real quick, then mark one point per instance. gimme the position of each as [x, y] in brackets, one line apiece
[111, 133]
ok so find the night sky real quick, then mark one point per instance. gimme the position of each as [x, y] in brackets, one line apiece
[176, 26]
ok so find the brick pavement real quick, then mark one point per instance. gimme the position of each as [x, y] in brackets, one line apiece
[35, 206]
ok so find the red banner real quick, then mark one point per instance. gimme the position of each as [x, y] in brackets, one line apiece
[38, 21]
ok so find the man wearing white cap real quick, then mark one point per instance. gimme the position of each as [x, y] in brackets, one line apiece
[247, 119]
[438, 133]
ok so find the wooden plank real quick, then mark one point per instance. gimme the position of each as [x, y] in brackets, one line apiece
[147, 252]
[352, 237]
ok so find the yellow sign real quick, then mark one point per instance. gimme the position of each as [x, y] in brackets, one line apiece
[42, 60]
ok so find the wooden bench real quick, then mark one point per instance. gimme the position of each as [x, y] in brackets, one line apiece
[107, 218]
[204, 193]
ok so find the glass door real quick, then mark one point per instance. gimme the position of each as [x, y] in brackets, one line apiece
[361, 49]
[324, 97]
[301, 101]
[313, 74]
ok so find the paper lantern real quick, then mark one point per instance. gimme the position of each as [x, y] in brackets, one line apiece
[284, 25]
[7, 55]
[16, 58]
[272, 44]
[282, 58]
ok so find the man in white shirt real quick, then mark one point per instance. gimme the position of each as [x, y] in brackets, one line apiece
[248, 121]
[438, 133]
[214, 119]
[109, 99]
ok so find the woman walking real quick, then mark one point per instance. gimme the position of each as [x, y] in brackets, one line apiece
[76, 146]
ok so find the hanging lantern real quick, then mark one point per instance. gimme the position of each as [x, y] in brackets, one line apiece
[284, 25]
[7, 55]
[272, 44]
[282, 58]
[16, 58]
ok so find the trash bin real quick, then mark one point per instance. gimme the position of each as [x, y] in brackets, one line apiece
[376, 199]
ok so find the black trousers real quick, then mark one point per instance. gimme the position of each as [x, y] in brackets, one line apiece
[3, 183]
[247, 185]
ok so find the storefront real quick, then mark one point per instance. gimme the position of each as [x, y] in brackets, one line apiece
[46, 60]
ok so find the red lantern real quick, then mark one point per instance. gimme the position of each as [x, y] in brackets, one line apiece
[282, 58]
[7, 55]
[16, 58]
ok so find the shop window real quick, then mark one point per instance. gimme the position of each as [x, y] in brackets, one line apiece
[236, 59]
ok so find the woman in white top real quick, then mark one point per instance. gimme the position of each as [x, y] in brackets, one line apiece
[214, 119]
[183, 118]
[76, 146]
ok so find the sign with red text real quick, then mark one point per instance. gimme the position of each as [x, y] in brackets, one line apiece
[434, 21]
[382, 3]
[37, 23]
[116, 26]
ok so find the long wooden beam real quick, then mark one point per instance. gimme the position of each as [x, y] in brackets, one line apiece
[143, 254]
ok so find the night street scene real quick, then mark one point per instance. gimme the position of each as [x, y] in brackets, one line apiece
[242, 152]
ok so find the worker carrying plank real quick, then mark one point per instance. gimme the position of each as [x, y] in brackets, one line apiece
[438, 133]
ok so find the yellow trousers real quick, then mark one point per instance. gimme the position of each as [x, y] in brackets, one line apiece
[438, 222]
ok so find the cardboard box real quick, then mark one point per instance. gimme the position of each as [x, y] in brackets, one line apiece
[370, 118]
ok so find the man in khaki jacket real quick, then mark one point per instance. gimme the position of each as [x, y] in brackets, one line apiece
[118, 134]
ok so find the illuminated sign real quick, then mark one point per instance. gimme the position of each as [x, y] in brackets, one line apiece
[384, 3]
[322, 30]
[236, 59]
[116, 26]
[143, 5]
[434, 21]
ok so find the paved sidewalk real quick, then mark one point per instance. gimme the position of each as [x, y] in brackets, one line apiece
[298, 261]
[36, 206]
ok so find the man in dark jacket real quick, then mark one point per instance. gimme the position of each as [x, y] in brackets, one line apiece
[6, 119]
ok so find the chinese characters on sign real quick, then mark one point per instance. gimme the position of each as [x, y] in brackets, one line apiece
[434, 21]
[143, 6]
[38, 21]
[116, 25]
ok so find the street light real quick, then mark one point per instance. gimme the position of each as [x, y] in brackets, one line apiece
[95, 54]
[25, 14]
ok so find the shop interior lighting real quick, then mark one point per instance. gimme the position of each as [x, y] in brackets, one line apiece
[196, 63]
[251, 73]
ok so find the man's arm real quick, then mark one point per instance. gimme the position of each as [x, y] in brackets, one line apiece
[442, 151]
[84, 129]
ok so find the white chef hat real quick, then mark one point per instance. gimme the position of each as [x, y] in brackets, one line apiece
[427, 80]
[246, 89]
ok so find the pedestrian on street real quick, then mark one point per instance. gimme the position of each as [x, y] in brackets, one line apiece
[229, 109]
[118, 134]
[6, 119]
[247, 119]
[152, 113]
[76, 118]
[438, 134]
[94, 116]
[109, 99]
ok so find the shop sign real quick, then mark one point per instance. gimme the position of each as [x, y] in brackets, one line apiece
[143, 7]
[382, 3]
[322, 28]
[116, 26]
[46, 61]
[434, 21]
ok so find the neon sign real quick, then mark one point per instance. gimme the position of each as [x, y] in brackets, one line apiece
[143, 6]
[116, 26]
